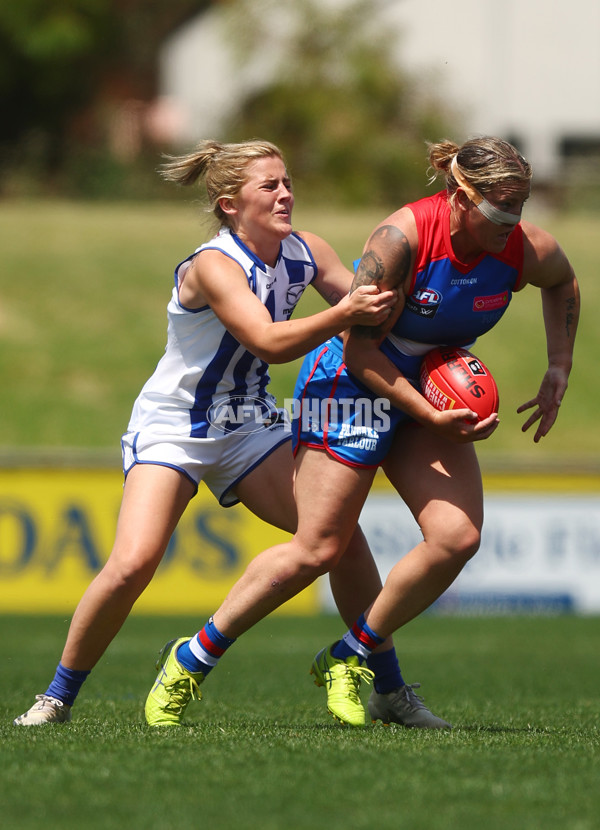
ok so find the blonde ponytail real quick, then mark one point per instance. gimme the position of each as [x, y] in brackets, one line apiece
[222, 166]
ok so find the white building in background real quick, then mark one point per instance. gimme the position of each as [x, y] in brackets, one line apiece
[528, 70]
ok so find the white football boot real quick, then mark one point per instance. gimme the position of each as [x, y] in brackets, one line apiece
[46, 709]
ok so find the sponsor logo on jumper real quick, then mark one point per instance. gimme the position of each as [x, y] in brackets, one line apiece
[294, 293]
[464, 281]
[424, 302]
[490, 303]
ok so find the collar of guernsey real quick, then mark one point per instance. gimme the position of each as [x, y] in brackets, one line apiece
[494, 214]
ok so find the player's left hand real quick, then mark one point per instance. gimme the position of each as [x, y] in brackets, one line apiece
[547, 402]
[462, 426]
[367, 306]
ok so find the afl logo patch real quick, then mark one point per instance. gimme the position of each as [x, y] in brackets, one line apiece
[424, 302]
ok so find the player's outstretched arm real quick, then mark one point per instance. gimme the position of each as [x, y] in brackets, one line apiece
[547, 267]
[214, 279]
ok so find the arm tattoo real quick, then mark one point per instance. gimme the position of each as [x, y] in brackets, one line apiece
[370, 270]
[333, 297]
[386, 263]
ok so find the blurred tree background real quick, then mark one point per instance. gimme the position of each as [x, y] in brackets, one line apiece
[352, 125]
[82, 293]
[66, 69]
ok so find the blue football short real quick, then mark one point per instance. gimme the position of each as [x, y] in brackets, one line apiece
[333, 411]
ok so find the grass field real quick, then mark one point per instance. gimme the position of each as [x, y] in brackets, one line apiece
[83, 292]
[263, 753]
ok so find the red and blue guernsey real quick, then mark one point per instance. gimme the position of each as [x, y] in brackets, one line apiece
[451, 302]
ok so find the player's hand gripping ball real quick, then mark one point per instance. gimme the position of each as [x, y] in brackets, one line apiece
[454, 378]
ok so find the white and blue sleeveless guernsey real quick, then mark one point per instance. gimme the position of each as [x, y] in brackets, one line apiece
[203, 363]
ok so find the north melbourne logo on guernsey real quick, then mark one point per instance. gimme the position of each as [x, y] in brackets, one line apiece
[294, 293]
[242, 414]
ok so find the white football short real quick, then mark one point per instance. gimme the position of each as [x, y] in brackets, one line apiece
[219, 462]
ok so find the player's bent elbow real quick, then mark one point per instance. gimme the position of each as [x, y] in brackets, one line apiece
[274, 357]
[273, 354]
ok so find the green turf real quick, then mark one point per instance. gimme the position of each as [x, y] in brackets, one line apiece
[84, 289]
[263, 753]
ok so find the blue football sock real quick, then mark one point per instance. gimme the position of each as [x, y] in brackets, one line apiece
[204, 650]
[360, 640]
[189, 662]
[66, 684]
[387, 671]
[342, 650]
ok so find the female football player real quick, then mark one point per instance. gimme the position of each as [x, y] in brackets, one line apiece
[228, 318]
[455, 258]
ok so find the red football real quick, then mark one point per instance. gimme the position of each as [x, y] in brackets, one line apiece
[454, 378]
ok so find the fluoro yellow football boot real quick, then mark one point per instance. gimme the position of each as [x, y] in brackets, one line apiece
[341, 679]
[173, 688]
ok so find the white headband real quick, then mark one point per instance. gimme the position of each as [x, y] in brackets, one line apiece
[494, 214]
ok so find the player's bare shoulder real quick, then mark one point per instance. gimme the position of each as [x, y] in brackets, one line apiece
[537, 241]
[399, 226]
[315, 243]
[388, 254]
[544, 261]
[210, 274]
[324, 254]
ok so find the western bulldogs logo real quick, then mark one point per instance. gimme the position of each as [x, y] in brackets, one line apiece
[424, 302]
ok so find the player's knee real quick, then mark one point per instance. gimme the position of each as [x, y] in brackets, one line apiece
[457, 540]
[131, 574]
[321, 558]
[465, 541]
